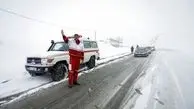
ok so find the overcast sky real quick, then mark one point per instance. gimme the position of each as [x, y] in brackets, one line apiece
[137, 21]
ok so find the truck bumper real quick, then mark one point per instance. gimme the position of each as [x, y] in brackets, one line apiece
[37, 69]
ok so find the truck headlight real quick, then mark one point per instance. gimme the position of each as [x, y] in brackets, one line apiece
[44, 61]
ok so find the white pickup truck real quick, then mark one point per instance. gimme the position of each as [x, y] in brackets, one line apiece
[55, 60]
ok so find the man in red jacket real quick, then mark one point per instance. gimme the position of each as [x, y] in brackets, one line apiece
[76, 55]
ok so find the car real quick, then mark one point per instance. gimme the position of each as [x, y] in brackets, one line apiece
[151, 48]
[141, 52]
[56, 59]
[148, 49]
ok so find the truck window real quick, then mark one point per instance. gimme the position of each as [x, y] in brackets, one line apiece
[59, 46]
[94, 44]
[87, 44]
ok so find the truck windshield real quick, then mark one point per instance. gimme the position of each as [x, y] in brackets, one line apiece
[59, 46]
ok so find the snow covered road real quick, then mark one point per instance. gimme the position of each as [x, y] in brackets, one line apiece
[167, 84]
[97, 88]
[164, 80]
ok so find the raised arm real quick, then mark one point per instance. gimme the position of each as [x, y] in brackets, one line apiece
[65, 38]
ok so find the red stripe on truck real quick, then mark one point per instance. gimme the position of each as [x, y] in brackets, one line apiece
[84, 52]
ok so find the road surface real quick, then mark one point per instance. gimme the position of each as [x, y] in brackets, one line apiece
[98, 88]
[167, 84]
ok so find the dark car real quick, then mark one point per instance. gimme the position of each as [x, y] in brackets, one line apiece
[141, 52]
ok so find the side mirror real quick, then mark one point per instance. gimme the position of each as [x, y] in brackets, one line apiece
[52, 41]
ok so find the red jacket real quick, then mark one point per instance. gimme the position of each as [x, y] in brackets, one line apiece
[75, 50]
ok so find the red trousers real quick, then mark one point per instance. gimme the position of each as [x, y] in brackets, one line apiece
[73, 69]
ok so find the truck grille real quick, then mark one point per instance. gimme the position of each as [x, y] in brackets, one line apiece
[34, 60]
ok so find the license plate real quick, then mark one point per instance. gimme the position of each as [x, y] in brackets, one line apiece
[32, 68]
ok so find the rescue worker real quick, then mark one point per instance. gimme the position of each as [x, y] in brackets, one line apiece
[76, 55]
[132, 49]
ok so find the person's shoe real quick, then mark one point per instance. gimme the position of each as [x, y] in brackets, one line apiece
[76, 83]
[70, 86]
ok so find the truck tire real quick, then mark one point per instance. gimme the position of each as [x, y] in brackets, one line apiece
[59, 72]
[92, 62]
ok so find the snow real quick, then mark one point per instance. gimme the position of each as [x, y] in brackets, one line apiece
[23, 82]
[18, 85]
[106, 50]
[142, 100]
[179, 68]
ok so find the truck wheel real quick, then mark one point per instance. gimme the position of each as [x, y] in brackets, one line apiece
[91, 64]
[59, 72]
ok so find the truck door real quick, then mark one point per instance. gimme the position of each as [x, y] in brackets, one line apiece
[87, 49]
